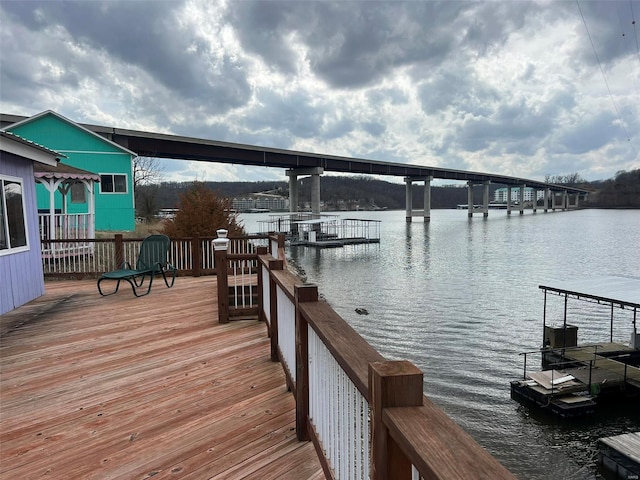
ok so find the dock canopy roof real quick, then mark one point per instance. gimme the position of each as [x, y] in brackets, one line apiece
[619, 291]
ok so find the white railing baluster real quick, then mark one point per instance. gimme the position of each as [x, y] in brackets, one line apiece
[338, 412]
[266, 298]
[287, 331]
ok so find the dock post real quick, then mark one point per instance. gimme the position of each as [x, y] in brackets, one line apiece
[470, 199]
[427, 198]
[408, 199]
[565, 200]
[391, 384]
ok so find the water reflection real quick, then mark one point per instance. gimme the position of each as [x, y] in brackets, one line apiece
[459, 297]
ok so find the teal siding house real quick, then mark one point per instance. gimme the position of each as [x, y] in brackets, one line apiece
[86, 150]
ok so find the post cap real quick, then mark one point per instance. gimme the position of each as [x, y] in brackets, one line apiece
[220, 244]
[222, 233]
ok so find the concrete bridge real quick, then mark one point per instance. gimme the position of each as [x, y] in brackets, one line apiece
[299, 164]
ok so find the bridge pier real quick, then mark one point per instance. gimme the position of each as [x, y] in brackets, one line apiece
[534, 200]
[427, 199]
[508, 199]
[546, 199]
[521, 204]
[409, 197]
[293, 175]
[485, 199]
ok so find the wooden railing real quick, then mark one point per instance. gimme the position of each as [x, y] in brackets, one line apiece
[367, 417]
[89, 258]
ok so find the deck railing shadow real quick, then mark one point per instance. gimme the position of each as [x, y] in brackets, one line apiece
[366, 416]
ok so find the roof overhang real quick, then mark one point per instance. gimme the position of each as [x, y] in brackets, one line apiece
[12, 143]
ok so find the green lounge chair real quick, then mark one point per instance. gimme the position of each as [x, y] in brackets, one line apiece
[152, 261]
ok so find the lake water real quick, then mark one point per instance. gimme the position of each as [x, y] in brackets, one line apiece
[459, 297]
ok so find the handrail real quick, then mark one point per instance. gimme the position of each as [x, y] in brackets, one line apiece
[367, 417]
[547, 350]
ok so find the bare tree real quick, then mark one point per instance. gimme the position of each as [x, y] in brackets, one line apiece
[570, 179]
[148, 172]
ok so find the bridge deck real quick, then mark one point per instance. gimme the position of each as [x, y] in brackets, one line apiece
[125, 387]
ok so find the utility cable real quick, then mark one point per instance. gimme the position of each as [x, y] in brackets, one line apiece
[605, 79]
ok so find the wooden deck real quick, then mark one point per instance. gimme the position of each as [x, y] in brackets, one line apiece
[151, 387]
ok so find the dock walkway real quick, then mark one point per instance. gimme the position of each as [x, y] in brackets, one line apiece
[621, 454]
[151, 387]
[606, 372]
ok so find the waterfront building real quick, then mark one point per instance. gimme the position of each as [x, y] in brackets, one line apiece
[260, 201]
[500, 195]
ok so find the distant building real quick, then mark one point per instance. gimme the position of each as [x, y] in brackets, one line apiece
[260, 201]
[500, 195]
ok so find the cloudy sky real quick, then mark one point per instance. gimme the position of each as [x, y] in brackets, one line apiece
[519, 88]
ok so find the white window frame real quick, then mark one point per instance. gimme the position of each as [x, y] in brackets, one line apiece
[113, 175]
[5, 226]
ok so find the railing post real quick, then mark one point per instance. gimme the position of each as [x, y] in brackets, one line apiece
[303, 293]
[391, 384]
[196, 248]
[280, 239]
[273, 305]
[261, 316]
[220, 246]
[119, 250]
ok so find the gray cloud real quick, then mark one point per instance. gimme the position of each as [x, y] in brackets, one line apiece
[349, 44]
[459, 84]
[141, 34]
[588, 135]
[609, 24]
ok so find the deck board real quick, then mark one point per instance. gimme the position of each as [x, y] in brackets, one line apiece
[151, 387]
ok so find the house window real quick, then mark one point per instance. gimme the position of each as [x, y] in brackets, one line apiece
[113, 183]
[78, 193]
[13, 230]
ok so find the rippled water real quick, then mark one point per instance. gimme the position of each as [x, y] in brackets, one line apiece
[459, 297]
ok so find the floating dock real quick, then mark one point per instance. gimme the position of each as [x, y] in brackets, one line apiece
[576, 378]
[323, 231]
[621, 455]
